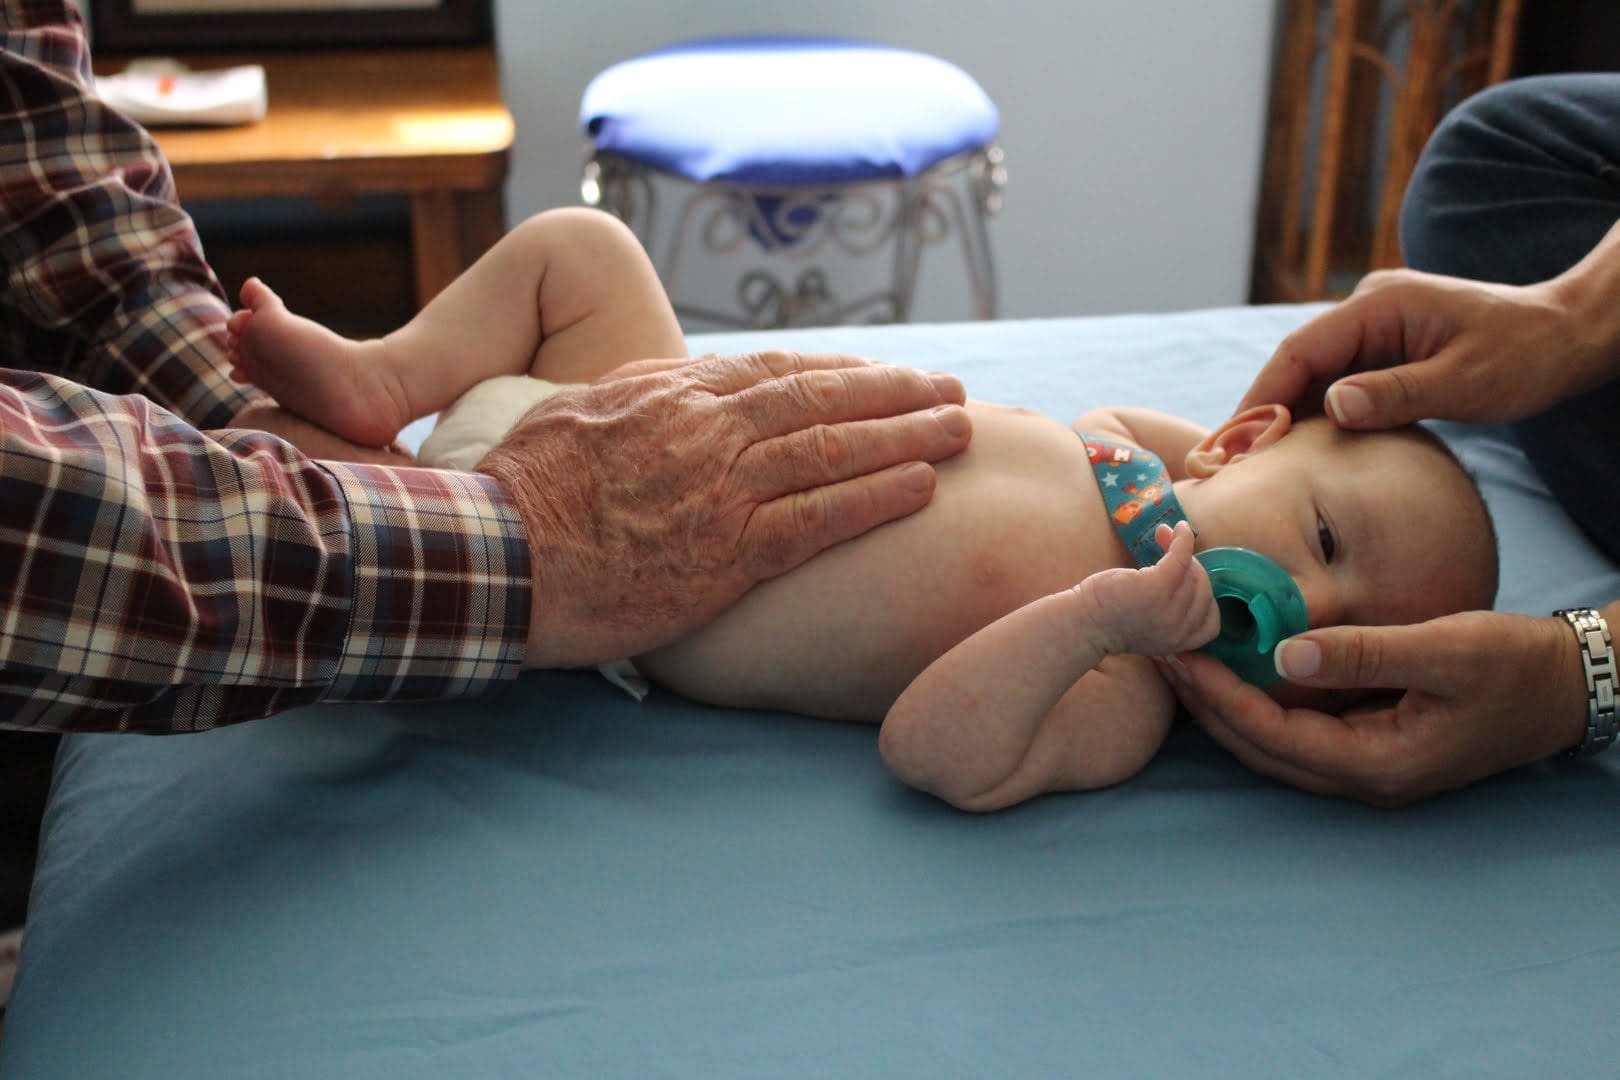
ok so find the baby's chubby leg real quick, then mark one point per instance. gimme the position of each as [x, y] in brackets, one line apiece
[567, 295]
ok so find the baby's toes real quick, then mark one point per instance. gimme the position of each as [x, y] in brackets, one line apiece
[257, 296]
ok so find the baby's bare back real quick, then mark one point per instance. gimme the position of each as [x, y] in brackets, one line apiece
[1015, 517]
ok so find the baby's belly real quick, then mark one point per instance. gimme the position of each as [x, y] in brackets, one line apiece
[1013, 519]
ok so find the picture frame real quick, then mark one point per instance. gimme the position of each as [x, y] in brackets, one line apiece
[179, 26]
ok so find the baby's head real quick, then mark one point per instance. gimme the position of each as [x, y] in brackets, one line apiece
[1375, 528]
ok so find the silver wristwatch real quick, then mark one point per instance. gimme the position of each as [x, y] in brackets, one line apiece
[1597, 661]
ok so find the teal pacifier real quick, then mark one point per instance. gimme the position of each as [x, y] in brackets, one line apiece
[1260, 606]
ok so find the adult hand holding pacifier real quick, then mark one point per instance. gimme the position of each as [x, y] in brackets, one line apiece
[1458, 714]
[1463, 696]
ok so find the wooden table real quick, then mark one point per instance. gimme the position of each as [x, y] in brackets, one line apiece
[428, 123]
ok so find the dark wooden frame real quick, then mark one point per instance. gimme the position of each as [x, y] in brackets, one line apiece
[117, 28]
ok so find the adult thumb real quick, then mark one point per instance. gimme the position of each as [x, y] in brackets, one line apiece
[1386, 398]
[1364, 657]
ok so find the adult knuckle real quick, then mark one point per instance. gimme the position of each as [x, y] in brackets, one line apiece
[1406, 387]
[1361, 658]
[822, 391]
[897, 381]
[812, 514]
[1379, 280]
[832, 447]
[776, 362]
[707, 364]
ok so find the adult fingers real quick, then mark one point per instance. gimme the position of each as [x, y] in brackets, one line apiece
[731, 374]
[1422, 656]
[648, 367]
[827, 453]
[784, 532]
[1322, 349]
[727, 374]
[801, 399]
[1252, 727]
[1389, 397]
[1379, 356]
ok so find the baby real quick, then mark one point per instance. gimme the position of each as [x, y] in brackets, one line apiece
[1003, 635]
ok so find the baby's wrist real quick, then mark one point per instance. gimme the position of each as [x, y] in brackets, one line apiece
[1093, 619]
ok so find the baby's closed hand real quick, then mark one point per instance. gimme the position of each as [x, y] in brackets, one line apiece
[1156, 611]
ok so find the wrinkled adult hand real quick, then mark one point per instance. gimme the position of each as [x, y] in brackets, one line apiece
[1465, 696]
[656, 498]
[314, 440]
[1408, 346]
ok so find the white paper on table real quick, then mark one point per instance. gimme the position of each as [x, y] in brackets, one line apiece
[165, 92]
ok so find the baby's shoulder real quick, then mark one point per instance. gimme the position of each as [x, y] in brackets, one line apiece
[1103, 424]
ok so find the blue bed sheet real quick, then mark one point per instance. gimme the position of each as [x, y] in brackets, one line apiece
[553, 880]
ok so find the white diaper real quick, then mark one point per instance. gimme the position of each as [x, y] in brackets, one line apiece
[480, 418]
[623, 674]
[469, 428]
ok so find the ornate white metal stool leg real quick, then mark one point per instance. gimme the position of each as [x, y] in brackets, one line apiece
[795, 233]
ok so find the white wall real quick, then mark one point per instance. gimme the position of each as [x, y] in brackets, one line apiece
[1132, 128]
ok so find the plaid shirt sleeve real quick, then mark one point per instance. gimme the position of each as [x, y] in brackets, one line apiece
[161, 580]
[153, 578]
[105, 280]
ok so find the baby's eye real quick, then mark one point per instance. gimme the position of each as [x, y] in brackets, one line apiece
[1324, 536]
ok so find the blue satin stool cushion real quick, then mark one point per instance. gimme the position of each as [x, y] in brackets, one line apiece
[787, 111]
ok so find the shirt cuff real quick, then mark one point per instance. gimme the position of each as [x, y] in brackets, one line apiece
[442, 584]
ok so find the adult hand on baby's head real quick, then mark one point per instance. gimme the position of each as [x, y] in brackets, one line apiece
[1410, 346]
[1466, 696]
[655, 499]
[314, 440]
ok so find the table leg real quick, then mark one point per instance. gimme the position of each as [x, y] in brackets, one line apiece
[482, 218]
[449, 231]
[435, 241]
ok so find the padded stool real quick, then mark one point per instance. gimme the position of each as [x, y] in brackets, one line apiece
[806, 152]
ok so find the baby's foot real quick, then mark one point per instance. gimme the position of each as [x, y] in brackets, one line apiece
[344, 386]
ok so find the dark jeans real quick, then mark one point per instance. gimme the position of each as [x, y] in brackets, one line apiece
[1515, 186]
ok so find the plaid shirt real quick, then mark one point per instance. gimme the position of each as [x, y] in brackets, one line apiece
[152, 577]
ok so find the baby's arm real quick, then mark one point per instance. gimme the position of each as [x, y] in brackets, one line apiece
[1168, 436]
[1054, 696]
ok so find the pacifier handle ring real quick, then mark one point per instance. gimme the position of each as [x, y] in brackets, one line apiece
[1274, 609]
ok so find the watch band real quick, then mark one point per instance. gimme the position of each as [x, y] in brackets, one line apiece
[1597, 663]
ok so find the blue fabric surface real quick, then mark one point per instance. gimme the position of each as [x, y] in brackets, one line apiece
[555, 881]
[787, 111]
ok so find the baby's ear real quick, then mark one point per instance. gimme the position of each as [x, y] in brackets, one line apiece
[1249, 432]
